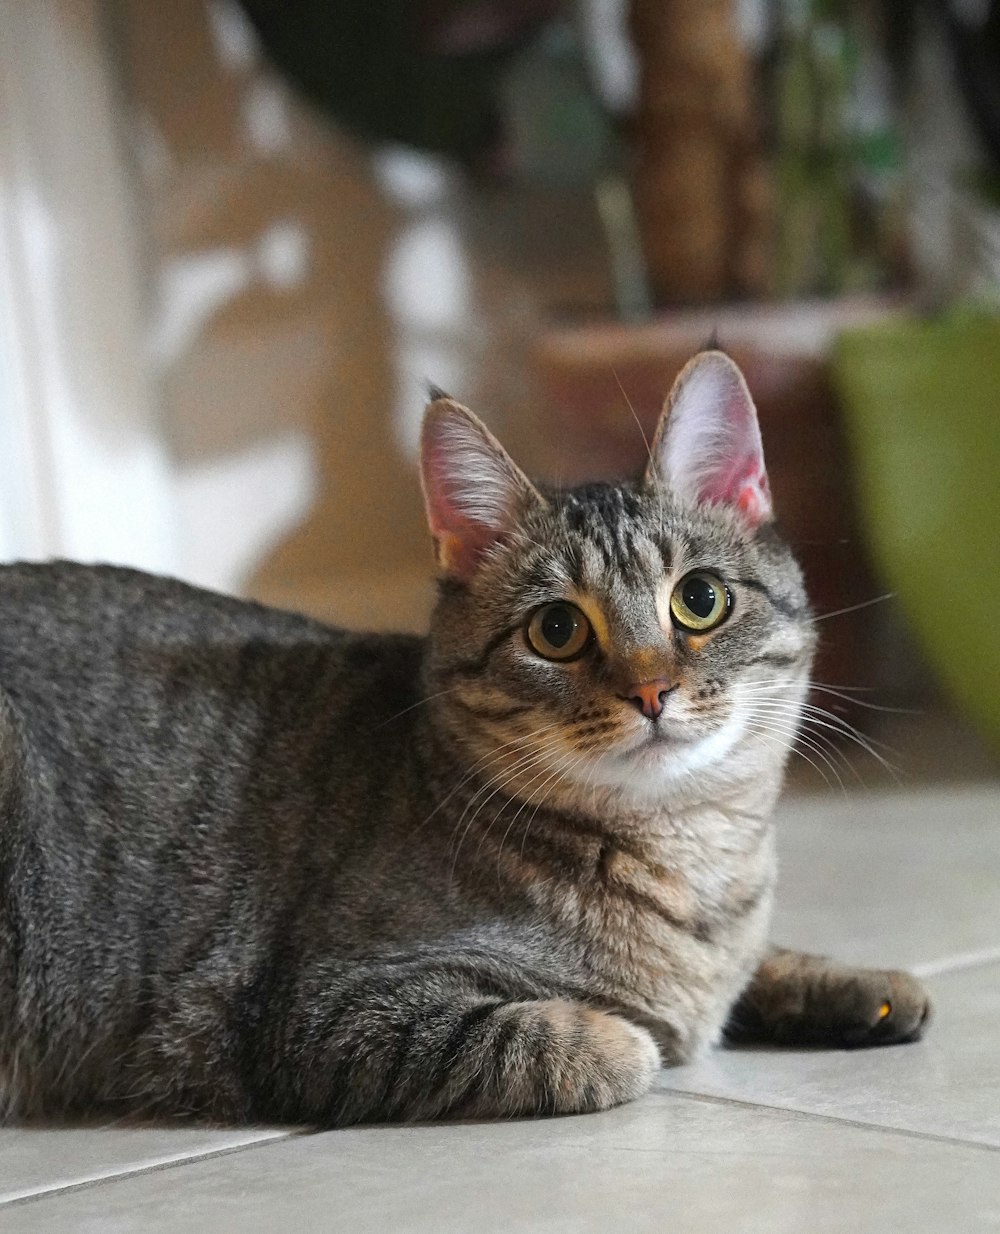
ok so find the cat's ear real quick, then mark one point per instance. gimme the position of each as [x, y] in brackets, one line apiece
[707, 447]
[473, 490]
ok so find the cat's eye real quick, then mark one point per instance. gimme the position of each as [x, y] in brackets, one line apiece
[559, 631]
[700, 602]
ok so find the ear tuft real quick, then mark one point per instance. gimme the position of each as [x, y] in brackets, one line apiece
[473, 490]
[708, 447]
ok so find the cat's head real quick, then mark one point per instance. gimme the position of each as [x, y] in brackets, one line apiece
[620, 636]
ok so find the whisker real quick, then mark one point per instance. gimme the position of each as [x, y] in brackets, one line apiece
[829, 719]
[485, 760]
[854, 608]
[779, 738]
[822, 741]
[524, 764]
[820, 717]
[413, 706]
[564, 771]
[844, 726]
[635, 417]
[789, 722]
[566, 764]
[767, 681]
[795, 715]
[860, 702]
[523, 791]
[769, 733]
[654, 470]
[838, 692]
[522, 761]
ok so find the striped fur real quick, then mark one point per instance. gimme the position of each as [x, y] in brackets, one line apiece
[252, 867]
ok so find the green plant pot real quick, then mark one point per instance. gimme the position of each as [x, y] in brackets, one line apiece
[922, 411]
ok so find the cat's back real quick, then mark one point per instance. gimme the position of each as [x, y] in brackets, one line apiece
[149, 670]
[74, 612]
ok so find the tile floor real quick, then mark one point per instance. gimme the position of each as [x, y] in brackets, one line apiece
[746, 1141]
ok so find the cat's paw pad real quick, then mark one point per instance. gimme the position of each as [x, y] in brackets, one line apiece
[880, 1008]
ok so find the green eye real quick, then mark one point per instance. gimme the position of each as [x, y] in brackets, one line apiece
[700, 602]
[558, 631]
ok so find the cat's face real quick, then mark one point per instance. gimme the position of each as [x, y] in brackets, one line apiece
[617, 637]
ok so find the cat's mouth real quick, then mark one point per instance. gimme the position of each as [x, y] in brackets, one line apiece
[670, 737]
[683, 744]
[680, 737]
[664, 737]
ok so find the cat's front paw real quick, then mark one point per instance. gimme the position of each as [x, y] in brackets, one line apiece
[796, 999]
[550, 1056]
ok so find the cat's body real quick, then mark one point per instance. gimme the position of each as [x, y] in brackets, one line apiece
[252, 867]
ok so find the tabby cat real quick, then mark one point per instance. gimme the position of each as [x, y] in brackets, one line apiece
[254, 868]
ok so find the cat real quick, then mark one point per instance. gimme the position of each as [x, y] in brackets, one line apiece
[253, 868]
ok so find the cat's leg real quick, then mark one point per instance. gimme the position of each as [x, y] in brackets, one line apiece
[426, 1047]
[797, 999]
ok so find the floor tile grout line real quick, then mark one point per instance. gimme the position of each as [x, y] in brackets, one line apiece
[958, 963]
[843, 1120]
[704, 1098]
[156, 1167]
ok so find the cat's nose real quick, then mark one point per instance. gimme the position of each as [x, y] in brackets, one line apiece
[650, 696]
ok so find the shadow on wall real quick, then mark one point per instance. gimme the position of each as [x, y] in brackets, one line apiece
[274, 348]
[307, 294]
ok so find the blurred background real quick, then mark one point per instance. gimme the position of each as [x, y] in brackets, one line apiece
[239, 237]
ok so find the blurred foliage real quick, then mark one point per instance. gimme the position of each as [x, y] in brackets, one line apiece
[974, 34]
[837, 162]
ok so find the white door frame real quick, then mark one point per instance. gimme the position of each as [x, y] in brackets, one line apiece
[84, 471]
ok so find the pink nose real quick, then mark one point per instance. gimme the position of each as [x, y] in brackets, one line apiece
[649, 696]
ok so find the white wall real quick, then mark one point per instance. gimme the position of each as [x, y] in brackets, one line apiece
[83, 470]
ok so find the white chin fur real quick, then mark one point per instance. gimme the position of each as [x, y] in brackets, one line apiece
[648, 774]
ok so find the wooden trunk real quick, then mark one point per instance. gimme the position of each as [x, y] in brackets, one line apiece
[700, 181]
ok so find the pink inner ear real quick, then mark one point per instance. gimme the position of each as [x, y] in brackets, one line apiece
[468, 487]
[712, 443]
[443, 516]
[461, 545]
[459, 539]
[743, 484]
[754, 499]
